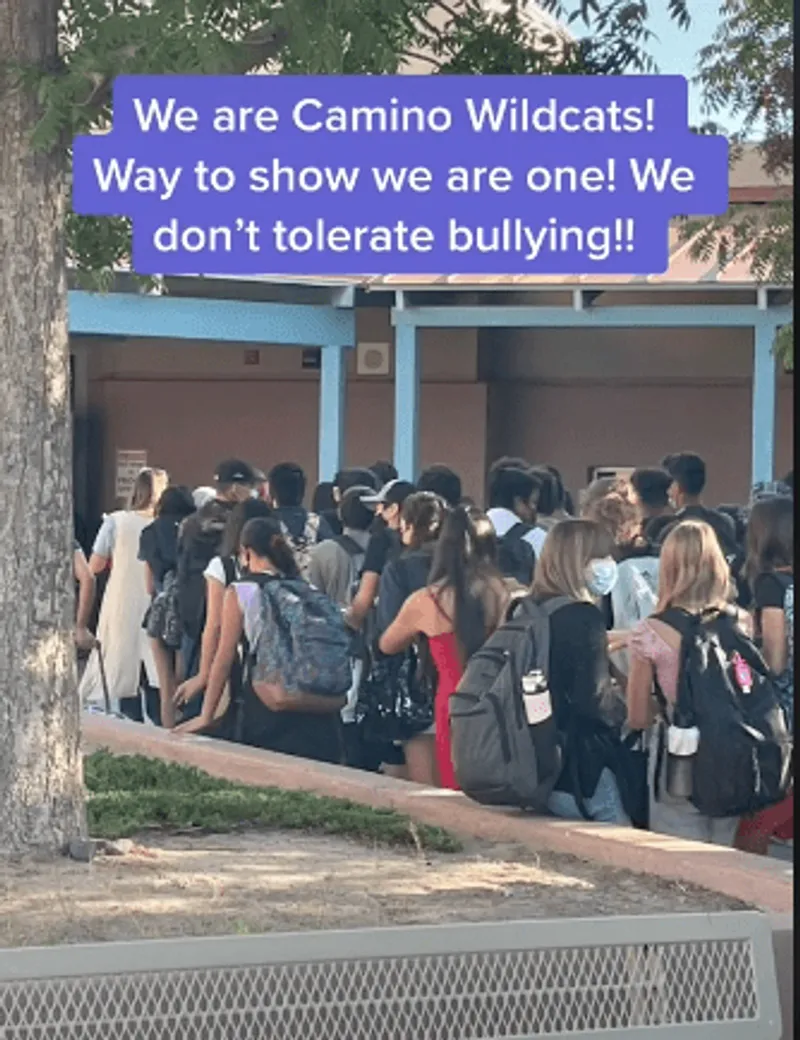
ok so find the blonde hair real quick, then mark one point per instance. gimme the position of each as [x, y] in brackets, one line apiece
[568, 550]
[149, 486]
[612, 502]
[693, 572]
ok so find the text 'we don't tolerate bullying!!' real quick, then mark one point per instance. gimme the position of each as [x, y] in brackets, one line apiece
[347, 175]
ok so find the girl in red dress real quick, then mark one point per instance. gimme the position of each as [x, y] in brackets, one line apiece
[465, 600]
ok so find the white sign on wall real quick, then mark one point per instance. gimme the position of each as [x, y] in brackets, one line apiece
[129, 465]
[604, 472]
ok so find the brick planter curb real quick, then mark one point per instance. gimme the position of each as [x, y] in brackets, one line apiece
[764, 883]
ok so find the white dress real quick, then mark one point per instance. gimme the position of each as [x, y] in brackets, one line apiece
[124, 642]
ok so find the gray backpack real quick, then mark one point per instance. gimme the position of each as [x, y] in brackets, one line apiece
[503, 737]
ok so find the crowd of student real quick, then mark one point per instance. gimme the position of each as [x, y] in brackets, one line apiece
[216, 598]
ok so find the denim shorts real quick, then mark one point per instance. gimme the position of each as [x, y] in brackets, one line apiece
[604, 806]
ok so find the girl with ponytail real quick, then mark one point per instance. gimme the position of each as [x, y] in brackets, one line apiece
[263, 550]
[465, 600]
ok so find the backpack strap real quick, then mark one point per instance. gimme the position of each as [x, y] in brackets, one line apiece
[550, 606]
[311, 531]
[681, 620]
[350, 545]
[230, 569]
[260, 579]
[520, 606]
[517, 532]
[661, 746]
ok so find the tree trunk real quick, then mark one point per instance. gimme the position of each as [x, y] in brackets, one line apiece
[41, 791]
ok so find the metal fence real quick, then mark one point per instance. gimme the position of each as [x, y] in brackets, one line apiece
[641, 978]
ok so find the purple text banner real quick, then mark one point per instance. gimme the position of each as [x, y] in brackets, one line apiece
[347, 175]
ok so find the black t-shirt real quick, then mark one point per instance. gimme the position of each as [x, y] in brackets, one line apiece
[653, 528]
[401, 578]
[158, 546]
[333, 520]
[769, 590]
[723, 526]
[579, 673]
[383, 547]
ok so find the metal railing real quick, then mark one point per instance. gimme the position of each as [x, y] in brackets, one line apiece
[641, 978]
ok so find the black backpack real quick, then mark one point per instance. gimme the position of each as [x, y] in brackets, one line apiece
[499, 757]
[197, 548]
[744, 759]
[515, 556]
[356, 554]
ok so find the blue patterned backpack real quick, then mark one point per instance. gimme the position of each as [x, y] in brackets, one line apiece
[304, 645]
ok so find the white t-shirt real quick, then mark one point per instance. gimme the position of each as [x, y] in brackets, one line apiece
[106, 537]
[216, 571]
[249, 597]
[537, 538]
[502, 520]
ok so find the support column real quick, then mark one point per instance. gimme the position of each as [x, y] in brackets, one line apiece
[406, 401]
[332, 396]
[764, 398]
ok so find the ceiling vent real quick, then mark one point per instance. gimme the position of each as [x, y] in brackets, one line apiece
[373, 359]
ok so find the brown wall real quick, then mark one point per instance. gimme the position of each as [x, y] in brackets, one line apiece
[627, 397]
[189, 404]
[570, 397]
[575, 427]
[187, 427]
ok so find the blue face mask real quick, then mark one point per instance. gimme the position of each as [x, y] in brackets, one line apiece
[601, 576]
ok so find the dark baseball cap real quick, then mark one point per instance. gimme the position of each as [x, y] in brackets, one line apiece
[392, 494]
[234, 471]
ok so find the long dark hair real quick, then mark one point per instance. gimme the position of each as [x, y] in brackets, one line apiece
[250, 509]
[465, 564]
[176, 503]
[551, 492]
[264, 538]
[322, 500]
[770, 537]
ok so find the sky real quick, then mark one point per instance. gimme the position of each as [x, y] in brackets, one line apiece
[675, 51]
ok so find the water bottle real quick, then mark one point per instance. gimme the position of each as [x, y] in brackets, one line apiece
[682, 745]
[536, 695]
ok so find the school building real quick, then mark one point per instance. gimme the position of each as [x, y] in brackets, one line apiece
[583, 374]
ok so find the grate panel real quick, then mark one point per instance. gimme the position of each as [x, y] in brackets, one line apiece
[550, 992]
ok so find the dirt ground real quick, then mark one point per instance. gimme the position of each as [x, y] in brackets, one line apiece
[260, 882]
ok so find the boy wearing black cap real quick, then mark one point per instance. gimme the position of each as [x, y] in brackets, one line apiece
[384, 545]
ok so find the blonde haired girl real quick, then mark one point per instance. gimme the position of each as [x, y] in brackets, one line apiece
[694, 577]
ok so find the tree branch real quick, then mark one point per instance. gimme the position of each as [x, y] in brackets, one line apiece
[417, 56]
[260, 47]
[254, 51]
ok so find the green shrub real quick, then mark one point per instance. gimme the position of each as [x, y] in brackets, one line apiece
[129, 794]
